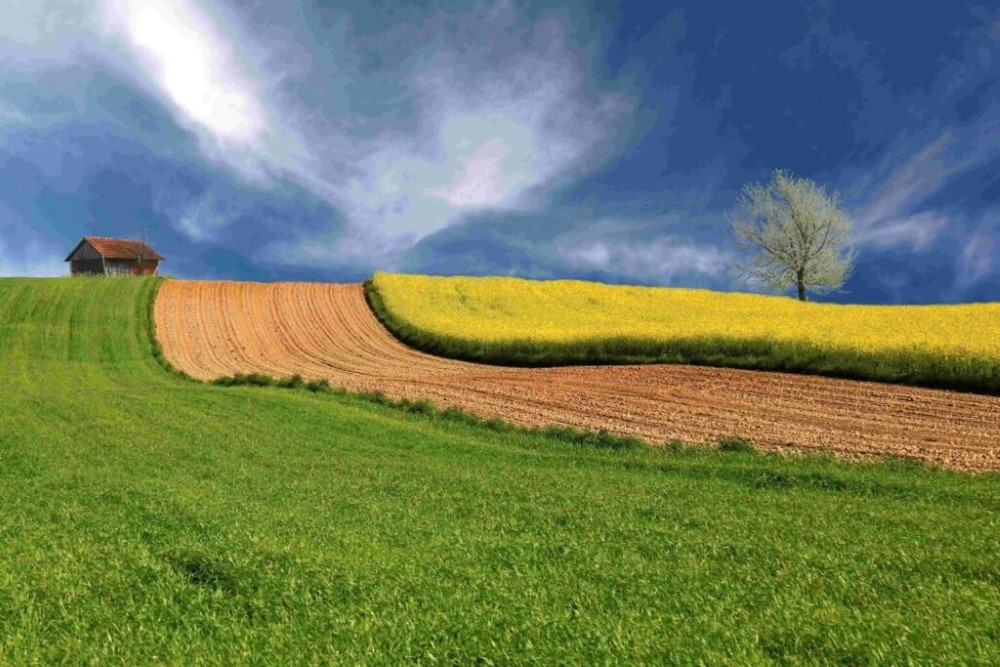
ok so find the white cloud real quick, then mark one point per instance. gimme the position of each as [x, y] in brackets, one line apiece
[182, 50]
[915, 231]
[979, 255]
[662, 259]
[350, 247]
[892, 217]
[200, 219]
[888, 220]
[918, 177]
[487, 161]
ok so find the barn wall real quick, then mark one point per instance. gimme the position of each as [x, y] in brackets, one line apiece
[149, 268]
[119, 267]
[85, 252]
[85, 266]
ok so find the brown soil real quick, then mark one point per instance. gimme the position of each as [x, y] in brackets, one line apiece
[213, 329]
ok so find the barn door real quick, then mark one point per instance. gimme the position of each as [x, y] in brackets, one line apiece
[119, 267]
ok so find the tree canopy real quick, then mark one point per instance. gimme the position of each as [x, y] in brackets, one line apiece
[797, 234]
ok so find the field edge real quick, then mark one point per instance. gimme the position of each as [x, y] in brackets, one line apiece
[589, 433]
[978, 376]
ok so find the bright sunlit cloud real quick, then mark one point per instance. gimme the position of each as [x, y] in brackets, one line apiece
[178, 46]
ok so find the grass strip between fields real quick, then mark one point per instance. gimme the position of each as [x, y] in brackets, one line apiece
[898, 367]
[601, 438]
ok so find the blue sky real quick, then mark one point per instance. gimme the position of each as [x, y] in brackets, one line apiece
[602, 141]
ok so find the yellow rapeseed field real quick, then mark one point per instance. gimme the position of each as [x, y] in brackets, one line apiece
[499, 310]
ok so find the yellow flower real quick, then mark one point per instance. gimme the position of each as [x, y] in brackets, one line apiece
[498, 310]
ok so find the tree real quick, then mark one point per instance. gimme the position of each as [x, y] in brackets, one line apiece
[798, 234]
[143, 239]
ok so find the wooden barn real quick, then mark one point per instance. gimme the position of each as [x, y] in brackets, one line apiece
[113, 257]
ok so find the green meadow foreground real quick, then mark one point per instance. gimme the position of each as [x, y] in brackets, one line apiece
[148, 518]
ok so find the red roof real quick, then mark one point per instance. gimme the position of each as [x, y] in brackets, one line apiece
[119, 248]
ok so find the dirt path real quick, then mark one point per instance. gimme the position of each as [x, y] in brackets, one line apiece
[211, 329]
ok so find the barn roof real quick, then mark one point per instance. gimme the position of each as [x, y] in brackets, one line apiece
[118, 248]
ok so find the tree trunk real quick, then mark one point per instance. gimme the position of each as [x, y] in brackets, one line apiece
[802, 286]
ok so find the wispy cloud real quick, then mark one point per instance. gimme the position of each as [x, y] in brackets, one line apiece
[663, 259]
[202, 217]
[893, 216]
[980, 254]
[888, 218]
[915, 231]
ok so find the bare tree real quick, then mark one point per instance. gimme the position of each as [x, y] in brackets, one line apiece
[798, 234]
[143, 243]
[140, 256]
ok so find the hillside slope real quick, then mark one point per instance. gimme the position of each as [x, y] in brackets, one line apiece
[149, 519]
[213, 329]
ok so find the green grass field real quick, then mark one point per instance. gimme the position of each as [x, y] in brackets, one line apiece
[150, 519]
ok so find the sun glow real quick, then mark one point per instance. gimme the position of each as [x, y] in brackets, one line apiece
[181, 49]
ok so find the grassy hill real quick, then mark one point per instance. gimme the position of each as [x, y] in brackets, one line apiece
[540, 323]
[147, 518]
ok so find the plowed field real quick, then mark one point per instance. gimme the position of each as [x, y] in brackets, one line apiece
[213, 329]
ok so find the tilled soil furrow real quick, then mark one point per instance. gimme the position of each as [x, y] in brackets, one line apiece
[211, 329]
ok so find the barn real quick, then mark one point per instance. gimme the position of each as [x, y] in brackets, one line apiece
[95, 255]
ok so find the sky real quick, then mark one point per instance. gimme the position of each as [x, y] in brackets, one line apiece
[606, 141]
